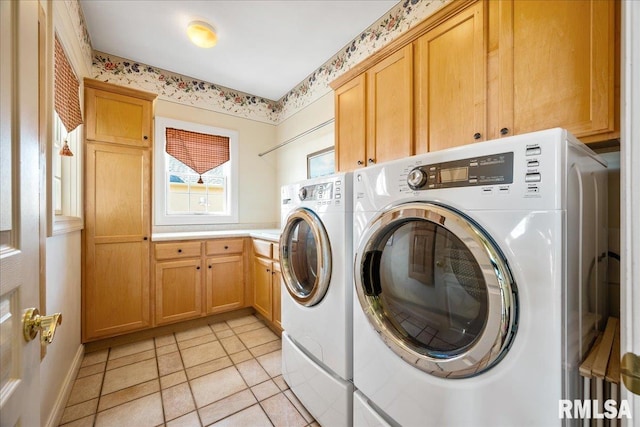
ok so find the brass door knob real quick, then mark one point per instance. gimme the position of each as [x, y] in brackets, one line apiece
[33, 322]
[630, 372]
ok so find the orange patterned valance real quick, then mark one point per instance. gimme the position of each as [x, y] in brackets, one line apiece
[66, 90]
[200, 151]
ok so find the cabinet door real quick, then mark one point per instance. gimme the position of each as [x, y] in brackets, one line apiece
[277, 289]
[557, 65]
[111, 117]
[350, 106]
[225, 283]
[262, 286]
[450, 83]
[116, 286]
[390, 107]
[178, 290]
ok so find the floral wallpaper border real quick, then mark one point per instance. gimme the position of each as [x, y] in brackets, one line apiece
[183, 89]
[405, 15]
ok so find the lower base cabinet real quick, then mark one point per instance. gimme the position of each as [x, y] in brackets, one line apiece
[276, 286]
[190, 279]
[267, 280]
[198, 278]
[178, 290]
[262, 291]
[225, 283]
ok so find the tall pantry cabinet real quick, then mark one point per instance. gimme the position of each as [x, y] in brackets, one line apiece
[117, 210]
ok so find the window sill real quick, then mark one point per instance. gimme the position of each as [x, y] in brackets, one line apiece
[66, 224]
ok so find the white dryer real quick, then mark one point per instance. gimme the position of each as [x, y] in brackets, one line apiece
[317, 299]
[479, 282]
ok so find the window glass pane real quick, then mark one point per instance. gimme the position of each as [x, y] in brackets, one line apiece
[186, 195]
[303, 257]
[433, 290]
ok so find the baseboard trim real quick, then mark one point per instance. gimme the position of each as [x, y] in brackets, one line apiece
[58, 409]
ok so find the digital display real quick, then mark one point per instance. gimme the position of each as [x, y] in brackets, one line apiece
[322, 192]
[454, 174]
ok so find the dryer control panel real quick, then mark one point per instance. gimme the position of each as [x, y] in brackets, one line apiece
[473, 171]
[322, 191]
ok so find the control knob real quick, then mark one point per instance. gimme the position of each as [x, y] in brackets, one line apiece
[302, 193]
[416, 179]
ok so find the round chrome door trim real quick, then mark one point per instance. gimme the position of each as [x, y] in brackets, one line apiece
[501, 320]
[323, 267]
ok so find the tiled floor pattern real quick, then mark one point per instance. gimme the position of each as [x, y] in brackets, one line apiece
[224, 374]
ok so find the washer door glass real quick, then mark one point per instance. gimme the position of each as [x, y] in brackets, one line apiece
[305, 256]
[437, 289]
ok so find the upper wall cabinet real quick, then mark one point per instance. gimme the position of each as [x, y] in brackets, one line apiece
[374, 113]
[121, 118]
[351, 124]
[481, 70]
[555, 66]
[390, 107]
[450, 82]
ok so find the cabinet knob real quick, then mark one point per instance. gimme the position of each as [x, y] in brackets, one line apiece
[504, 131]
[145, 137]
[226, 247]
[360, 162]
[145, 238]
[179, 251]
[268, 270]
[198, 268]
[210, 266]
[477, 135]
[371, 161]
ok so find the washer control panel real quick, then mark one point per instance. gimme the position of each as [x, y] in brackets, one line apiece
[318, 192]
[475, 171]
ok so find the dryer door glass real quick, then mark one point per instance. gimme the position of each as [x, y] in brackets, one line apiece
[305, 255]
[437, 289]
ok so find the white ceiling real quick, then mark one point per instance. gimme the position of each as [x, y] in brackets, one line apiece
[265, 47]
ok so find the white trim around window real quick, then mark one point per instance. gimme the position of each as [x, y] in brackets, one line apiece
[160, 214]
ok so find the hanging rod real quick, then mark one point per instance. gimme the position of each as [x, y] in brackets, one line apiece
[306, 132]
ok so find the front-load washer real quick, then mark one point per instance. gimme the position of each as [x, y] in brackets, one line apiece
[317, 299]
[479, 281]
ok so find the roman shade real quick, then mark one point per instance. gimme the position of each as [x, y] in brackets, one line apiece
[66, 85]
[200, 151]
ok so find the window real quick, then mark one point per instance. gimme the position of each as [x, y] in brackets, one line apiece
[64, 170]
[64, 188]
[184, 197]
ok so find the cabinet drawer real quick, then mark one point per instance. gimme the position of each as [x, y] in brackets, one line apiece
[262, 248]
[224, 246]
[276, 251]
[177, 250]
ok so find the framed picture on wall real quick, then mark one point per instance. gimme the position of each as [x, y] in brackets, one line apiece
[321, 163]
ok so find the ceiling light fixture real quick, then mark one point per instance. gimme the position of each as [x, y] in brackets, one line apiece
[202, 34]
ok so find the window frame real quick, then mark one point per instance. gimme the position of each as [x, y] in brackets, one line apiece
[160, 215]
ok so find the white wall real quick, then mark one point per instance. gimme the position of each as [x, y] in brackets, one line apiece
[63, 296]
[292, 158]
[257, 205]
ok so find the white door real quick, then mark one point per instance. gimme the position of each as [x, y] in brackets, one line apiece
[630, 209]
[19, 205]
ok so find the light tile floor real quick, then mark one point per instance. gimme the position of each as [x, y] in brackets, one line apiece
[223, 374]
